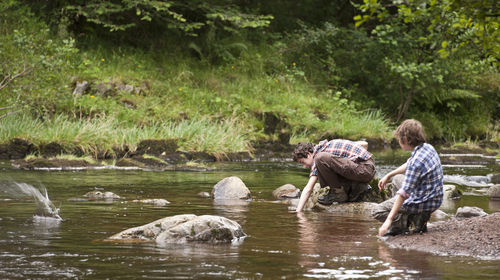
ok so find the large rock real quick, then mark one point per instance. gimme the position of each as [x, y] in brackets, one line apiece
[286, 191]
[470, 211]
[181, 229]
[231, 188]
[494, 192]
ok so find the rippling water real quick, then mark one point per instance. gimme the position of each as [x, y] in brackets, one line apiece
[280, 245]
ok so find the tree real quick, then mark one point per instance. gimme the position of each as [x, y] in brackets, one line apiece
[188, 16]
[6, 77]
[463, 22]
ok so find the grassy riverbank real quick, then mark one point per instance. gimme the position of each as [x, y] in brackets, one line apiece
[98, 96]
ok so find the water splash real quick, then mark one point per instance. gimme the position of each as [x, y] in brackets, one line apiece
[44, 207]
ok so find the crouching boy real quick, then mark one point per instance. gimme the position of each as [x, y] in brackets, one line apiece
[345, 166]
[420, 190]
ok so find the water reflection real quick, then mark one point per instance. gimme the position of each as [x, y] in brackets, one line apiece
[494, 205]
[235, 209]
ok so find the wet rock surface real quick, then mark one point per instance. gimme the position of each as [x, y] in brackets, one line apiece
[186, 228]
[52, 163]
[153, 201]
[286, 191]
[230, 188]
[476, 237]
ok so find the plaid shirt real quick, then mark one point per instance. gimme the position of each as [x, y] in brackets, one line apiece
[341, 148]
[423, 185]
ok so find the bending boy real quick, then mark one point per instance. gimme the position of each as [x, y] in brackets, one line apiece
[345, 166]
[420, 189]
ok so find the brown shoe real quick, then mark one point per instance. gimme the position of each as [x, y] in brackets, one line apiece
[334, 195]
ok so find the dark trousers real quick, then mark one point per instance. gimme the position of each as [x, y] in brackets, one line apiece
[338, 172]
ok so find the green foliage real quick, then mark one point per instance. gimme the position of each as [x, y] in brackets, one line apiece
[451, 25]
[188, 17]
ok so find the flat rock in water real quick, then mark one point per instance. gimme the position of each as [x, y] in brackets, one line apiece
[186, 228]
[477, 237]
[153, 201]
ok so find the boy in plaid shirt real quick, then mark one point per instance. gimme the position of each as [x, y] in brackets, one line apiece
[345, 166]
[420, 190]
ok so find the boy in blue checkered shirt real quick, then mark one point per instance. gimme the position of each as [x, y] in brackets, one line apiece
[420, 190]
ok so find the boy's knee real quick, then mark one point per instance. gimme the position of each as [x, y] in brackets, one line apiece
[398, 180]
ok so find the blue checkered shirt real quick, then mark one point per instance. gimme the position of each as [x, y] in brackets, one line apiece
[341, 148]
[423, 184]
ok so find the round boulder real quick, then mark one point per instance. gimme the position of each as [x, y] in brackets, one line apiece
[231, 188]
[470, 211]
[286, 191]
[494, 192]
[186, 228]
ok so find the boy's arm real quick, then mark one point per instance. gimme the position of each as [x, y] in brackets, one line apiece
[306, 193]
[388, 176]
[388, 221]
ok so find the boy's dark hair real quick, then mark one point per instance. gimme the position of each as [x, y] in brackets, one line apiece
[410, 132]
[302, 149]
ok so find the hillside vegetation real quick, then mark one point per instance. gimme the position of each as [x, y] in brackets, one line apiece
[84, 84]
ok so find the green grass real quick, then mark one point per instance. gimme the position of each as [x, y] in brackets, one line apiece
[217, 109]
[102, 134]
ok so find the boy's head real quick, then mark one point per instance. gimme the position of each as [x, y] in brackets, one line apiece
[303, 154]
[302, 150]
[410, 132]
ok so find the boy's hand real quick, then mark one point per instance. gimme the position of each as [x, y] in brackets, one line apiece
[383, 182]
[384, 228]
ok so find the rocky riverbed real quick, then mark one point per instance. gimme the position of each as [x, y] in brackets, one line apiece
[476, 237]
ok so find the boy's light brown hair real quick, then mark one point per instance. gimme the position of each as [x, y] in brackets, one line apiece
[410, 132]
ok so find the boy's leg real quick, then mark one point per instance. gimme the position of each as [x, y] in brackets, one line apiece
[418, 222]
[328, 177]
[399, 223]
[397, 183]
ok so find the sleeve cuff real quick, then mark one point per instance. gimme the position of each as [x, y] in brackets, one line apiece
[402, 193]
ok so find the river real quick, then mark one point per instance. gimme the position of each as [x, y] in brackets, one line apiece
[280, 244]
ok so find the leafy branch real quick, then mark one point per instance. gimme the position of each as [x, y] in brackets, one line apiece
[7, 79]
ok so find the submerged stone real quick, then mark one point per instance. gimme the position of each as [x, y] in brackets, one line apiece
[154, 201]
[101, 195]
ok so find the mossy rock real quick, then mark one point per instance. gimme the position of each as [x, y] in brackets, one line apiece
[152, 162]
[40, 163]
[128, 162]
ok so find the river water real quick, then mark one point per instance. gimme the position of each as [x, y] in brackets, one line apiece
[280, 244]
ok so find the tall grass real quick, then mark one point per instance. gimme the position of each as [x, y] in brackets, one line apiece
[104, 133]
